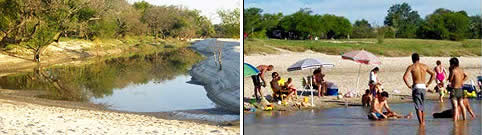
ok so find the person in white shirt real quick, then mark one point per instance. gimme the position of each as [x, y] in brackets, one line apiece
[373, 82]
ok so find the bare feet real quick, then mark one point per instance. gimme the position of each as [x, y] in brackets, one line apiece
[409, 116]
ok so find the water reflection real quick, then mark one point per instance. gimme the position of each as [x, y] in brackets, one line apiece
[353, 120]
[80, 83]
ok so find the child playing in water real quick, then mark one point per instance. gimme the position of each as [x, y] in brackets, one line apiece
[441, 91]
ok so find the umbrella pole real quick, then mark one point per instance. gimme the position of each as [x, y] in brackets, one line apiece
[311, 89]
[358, 80]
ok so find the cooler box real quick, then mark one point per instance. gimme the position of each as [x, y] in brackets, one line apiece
[332, 89]
[332, 92]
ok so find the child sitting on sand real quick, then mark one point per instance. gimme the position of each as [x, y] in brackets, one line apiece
[441, 91]
[289, 85]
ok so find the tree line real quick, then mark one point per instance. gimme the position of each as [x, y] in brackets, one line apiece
[401, 22]
[33, 24]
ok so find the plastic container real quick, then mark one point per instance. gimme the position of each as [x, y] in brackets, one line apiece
[332, 89]
[332, 92]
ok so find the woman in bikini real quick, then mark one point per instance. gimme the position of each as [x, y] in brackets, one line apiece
[440, 74]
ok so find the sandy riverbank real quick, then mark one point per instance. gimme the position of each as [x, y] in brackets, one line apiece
[345, 73]
[25, 118]
[23, 113]
[63, 52]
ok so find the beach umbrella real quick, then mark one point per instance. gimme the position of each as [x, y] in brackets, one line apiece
[309, 63]
[249, 70]
[361, 57]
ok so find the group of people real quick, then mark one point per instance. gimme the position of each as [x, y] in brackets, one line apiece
[374, 85]
[419, 85]
[376, 97]
[279, 86]
[282, 87]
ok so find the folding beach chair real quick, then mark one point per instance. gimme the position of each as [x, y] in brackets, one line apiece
[307, 85]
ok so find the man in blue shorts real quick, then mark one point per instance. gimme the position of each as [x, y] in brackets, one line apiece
[376, 111]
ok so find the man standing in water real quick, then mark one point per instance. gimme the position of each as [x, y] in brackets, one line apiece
[418, 71]
[257, 82]
[457, 78]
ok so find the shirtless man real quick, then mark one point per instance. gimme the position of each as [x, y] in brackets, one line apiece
[278, 88]
[456, 79]
[376, 111]
[257, 82]
[418, 71]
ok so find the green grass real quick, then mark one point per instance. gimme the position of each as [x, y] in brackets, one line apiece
[256, 46]
[390, 47]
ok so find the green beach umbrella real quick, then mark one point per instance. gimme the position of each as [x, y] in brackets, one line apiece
[249, 70]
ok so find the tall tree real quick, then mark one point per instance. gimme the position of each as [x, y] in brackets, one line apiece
[362, 29]
[475, 27]
[299, 24]
[252, 19]
[403, 19]
[230, 22]
[445, 24]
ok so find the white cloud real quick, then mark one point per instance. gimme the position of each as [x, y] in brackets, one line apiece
[208, 8]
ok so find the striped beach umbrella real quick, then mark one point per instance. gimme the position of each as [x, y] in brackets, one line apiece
[361, 57]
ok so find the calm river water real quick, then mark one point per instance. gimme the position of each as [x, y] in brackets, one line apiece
[353, 120]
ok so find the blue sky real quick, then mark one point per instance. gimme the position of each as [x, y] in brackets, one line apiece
[372, 10]
[208, 8]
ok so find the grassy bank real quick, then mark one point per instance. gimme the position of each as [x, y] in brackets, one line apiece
[67, 50]
[390, 47]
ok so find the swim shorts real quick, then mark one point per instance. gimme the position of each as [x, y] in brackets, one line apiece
[418, 95]
[457, 93]
[377, 116]
[256, 80]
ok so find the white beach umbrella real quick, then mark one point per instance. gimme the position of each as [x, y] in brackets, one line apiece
[309, 63]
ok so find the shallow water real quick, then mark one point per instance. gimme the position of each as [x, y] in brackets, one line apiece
[138, 83]
[169, 95]
[353, 120]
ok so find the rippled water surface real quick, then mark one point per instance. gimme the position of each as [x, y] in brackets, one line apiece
[353, 120]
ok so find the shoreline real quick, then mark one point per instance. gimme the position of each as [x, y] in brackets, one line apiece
[331, 102]
[27, 98]
[344, 75]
